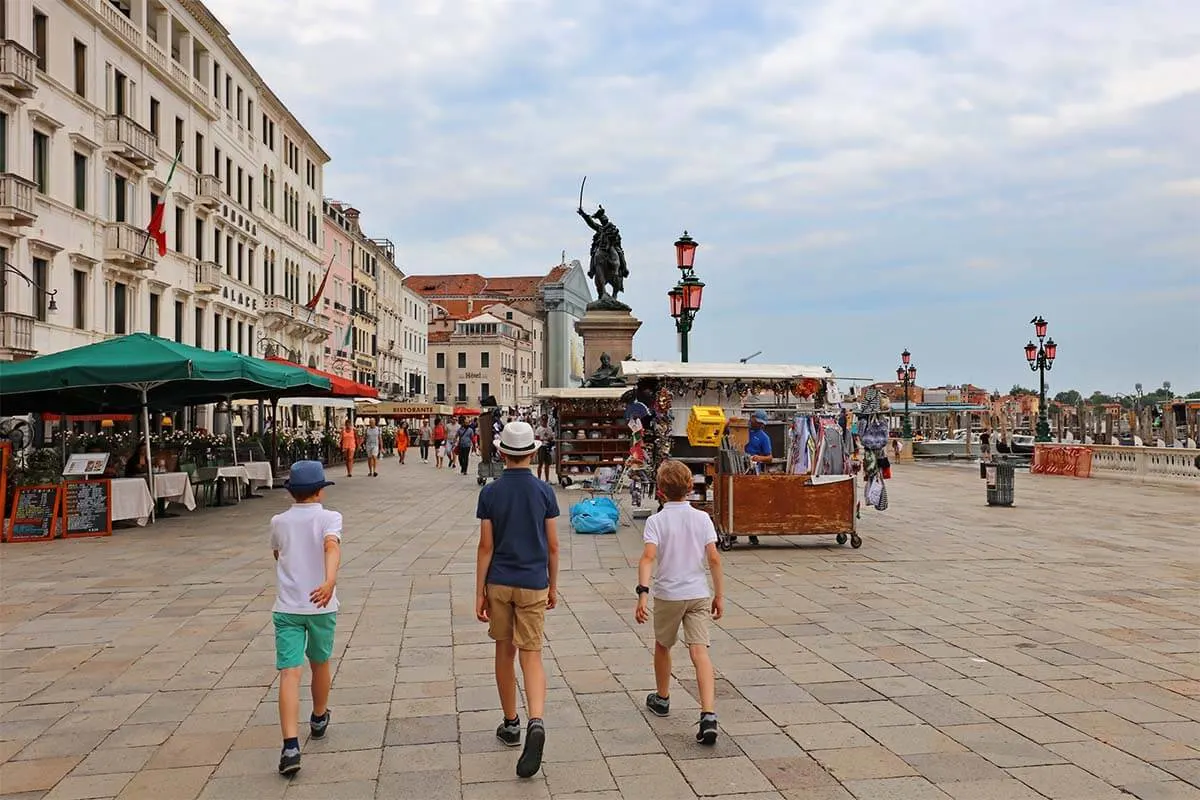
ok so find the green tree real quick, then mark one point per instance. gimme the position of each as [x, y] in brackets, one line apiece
[1069, 398]
[1193, 396]
[1018, 390]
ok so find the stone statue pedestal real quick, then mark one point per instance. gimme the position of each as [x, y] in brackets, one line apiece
[606, 331]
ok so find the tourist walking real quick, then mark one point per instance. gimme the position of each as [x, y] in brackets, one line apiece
[679, 539]
[424, 435]
[349, 446]
[516, 582]
[372, 439]
[545, 435]
[306, 541]
[451, 442]
[466, 441]
[439, 441]
[401, 442]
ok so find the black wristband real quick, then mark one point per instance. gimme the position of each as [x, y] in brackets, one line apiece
[643, 589]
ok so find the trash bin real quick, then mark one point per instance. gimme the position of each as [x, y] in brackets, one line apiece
[1000, 480]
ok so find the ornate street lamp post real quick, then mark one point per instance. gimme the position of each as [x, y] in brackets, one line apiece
[1041, 360]
[685, 297]
[906, 374]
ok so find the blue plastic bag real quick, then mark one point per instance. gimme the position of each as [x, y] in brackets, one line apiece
[596, 515]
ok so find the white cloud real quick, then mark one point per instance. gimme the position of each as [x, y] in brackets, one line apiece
[898, 138]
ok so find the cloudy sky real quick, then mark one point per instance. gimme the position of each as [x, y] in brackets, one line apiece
[862, 176]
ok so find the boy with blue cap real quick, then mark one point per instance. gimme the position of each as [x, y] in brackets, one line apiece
[306, 540]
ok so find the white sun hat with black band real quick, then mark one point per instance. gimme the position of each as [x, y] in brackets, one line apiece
[517, 439]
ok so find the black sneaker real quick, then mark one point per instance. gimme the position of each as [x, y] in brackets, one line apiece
[658, 705]
[531, 757]
[318, 725]
[707, 734]
[289, 762]
[509, 732]
[754, 541]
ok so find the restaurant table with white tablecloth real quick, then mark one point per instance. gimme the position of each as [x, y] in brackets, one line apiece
[223, 475]
[175, 487]
[131, 500]
[260, 474]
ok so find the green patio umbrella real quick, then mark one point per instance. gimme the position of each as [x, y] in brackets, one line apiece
[139, 372]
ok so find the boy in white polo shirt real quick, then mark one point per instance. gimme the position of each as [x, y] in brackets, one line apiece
[681, 539]
[306, 540]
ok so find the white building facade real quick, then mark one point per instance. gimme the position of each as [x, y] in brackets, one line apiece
[96, 100]
[414, 332]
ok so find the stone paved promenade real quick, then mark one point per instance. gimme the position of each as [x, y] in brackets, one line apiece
[1048, 650]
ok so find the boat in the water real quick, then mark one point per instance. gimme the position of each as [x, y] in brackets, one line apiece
[954, 445]
[1022, 444]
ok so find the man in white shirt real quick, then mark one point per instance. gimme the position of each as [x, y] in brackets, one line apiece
[306, 540]
[681, 538]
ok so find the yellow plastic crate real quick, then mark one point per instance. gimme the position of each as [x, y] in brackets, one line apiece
[705, 426]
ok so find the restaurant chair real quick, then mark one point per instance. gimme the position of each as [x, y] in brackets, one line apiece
[203, 488]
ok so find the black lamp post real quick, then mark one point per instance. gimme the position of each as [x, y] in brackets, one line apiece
[906, 374]
[1041, 360]
[51, 305]
[685, 297]
[275, 348]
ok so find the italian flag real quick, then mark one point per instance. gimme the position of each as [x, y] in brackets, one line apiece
[155, 228]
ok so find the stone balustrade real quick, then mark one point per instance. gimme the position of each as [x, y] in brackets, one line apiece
[1160, 465]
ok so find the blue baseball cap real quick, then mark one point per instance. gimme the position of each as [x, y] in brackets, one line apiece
[306, 476]
[761, 416]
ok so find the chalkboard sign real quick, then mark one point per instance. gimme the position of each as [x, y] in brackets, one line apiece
[34, 513]
[87, 508]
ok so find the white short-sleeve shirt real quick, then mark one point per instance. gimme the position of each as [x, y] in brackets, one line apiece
[299, 535]
[681, 534]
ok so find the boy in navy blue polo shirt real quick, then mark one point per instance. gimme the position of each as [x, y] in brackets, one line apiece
[516, 582]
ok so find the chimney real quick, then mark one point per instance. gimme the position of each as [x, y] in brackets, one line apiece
[352, 218]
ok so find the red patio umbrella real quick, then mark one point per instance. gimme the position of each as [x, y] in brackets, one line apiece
[341, 387]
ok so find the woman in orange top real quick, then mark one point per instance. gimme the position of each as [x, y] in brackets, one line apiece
[349, 445]
[401, 441]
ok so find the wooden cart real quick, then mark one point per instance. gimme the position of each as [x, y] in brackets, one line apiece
[783, 505]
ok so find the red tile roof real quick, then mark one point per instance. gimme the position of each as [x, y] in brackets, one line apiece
[473, 285]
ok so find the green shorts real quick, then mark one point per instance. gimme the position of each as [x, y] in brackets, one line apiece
[300, 635]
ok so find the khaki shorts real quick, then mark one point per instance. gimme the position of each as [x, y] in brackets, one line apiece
[693, 615]
[517, 615]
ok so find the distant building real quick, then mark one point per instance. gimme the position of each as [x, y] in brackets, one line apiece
[491, 354]
[555, 301]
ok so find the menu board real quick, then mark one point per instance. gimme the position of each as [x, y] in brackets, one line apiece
[87, 508]
[34, 513]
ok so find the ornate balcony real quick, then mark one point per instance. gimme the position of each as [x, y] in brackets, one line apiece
[17, 67]
[129, 140]
[208, 191]
[16, 336]
[277, 312]
[16, 200]
[208, 278]
[128, 246]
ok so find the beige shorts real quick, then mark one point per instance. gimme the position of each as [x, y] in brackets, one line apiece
[517, 615]
[693, 615]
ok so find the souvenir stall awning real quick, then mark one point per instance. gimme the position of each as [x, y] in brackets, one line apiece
[340, 387]
[463, 411]
[737, 371]
[583, 393]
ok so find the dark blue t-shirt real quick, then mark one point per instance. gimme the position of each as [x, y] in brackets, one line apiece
[518, 504]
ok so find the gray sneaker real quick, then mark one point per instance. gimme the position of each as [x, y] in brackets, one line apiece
[509, 732]
[658, 705]
[318, 725]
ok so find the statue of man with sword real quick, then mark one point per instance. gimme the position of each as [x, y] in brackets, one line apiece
[607, 266]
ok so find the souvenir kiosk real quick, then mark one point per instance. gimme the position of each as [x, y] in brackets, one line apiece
[591, 431]
[700, 416]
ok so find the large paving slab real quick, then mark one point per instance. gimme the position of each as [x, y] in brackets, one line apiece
[1046, 650]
